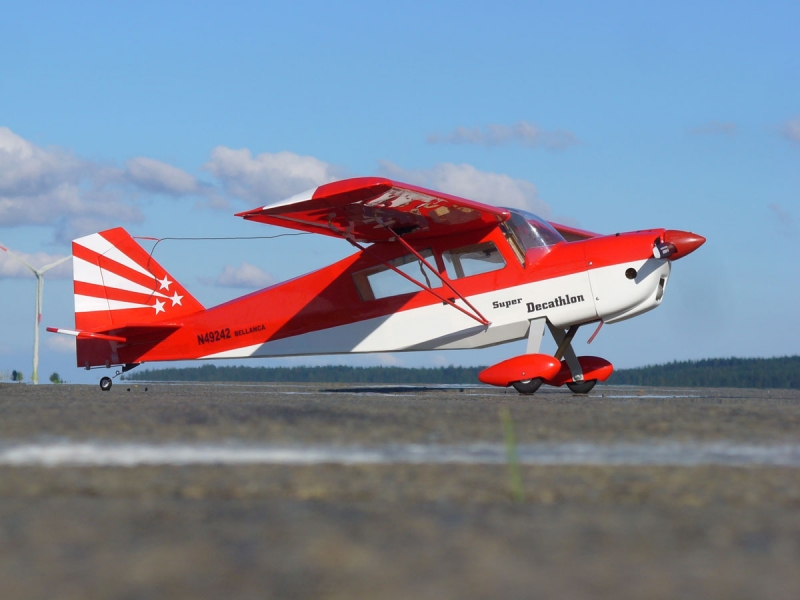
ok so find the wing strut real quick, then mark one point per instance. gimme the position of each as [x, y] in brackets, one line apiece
[481, 319]
[477, 316]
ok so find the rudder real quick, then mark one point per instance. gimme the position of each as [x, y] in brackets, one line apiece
[117, 284]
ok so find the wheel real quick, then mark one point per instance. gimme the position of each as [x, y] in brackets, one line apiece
[529, 386]
[581, 387]
[105, 384]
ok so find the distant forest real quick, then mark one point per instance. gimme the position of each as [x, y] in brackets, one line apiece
[325, 374]
[781, 372]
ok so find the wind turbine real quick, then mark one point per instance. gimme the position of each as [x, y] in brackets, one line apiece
[39, 274]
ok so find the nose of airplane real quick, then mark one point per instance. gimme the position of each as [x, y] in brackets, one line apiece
[684, 242]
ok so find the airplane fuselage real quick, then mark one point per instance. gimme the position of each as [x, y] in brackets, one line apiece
[358, 305]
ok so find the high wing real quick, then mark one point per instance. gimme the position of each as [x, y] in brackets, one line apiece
[374, 209]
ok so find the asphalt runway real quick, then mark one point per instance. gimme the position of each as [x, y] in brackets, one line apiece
[322, 491]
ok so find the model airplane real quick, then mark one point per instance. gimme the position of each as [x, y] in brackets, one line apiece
[432, 272]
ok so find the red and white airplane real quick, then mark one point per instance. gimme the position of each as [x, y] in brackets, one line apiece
[432, 272]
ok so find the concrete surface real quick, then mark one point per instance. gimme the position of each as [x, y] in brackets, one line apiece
[396, 529]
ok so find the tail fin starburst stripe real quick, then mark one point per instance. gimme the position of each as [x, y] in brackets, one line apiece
[116, 282]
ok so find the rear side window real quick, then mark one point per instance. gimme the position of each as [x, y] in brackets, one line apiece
[473, 260]
[382, 282]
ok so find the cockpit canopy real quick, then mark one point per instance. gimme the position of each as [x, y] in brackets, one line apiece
[532, 231]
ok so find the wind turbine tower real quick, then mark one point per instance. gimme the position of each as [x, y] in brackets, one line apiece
[39, 274]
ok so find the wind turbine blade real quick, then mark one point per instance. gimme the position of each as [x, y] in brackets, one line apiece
[20, 259]
[53, 264]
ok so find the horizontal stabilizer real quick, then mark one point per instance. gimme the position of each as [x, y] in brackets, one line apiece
[87, 335]
[150, 331]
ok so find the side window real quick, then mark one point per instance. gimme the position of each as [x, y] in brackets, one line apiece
[382, 282]
[473, 260]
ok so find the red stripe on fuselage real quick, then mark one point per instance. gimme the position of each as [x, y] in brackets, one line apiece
[620, 248]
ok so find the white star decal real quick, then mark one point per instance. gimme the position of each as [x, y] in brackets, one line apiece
[164, 283]
[159, 306]
[176, 299]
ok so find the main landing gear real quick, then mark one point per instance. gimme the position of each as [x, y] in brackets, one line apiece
[580, 373]
[107, 382]
[528, 386]
[581, 387]
[529, 371]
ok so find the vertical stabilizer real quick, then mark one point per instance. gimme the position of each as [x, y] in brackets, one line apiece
[118, 284]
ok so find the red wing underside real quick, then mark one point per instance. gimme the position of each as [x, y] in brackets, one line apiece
[369, 209]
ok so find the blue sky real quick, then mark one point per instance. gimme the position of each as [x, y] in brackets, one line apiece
[168, 117]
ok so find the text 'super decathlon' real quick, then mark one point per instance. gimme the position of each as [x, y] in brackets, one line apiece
[559, 301]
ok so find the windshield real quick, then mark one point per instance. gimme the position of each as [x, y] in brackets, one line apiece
[532, 231]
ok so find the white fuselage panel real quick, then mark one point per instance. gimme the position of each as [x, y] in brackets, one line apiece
[563, 300]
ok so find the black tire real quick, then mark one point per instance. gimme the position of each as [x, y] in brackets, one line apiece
[581, 387]
[105, 383]
[529, 386]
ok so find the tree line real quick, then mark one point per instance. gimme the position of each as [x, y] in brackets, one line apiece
[324, 374]
[19, 377]
[783, 372]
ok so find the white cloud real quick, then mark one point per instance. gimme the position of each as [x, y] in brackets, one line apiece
[244, 276]
[438, 360]
[470, 183]
[791, 130]
[68, 229]
[522, 133]
[60, 343]
[715, 128]
[41, 186]
[388, 360]
[26, 169]
[53, 187]
[158, 177]
[268, 176]
[12, 268]
[65, 201]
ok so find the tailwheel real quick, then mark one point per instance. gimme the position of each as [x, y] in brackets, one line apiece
[581, 387]
[105, 384]
[528, 386]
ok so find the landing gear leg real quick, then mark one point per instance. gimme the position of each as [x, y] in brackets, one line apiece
[564, 340]
[535, 333]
